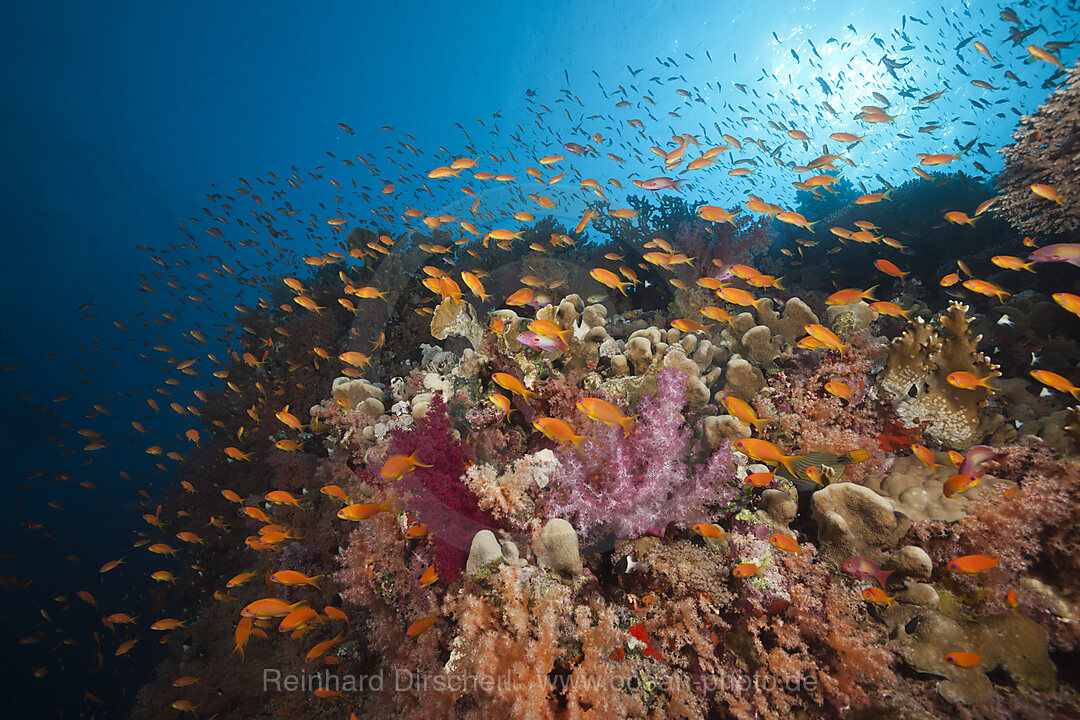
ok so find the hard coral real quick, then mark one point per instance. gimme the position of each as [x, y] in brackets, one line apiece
[1047, 152]
[921, 360]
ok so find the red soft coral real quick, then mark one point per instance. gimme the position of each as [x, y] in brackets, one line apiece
[438, 496]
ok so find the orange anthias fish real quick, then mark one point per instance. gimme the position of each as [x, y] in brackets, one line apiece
[966, 381]
[322, 648]
[292, 577]
[397, 465]
[851, 295]
[889, 268]
[689, 326]
[736, 296]
[760, 479]
[235, 454]
[267, 608]
[364, 511]
[428, 577]
[1056, 381]
[926, 456]
[785, 542]
[959, 483]
[281, 497]
[609, 279]
[741, 410]
[839, 389]
[877, 596]
[760, 450]
[502, 402]
[508, 382]
[826, 337]
[715, 214]
[984, 287]
[299, 618]
[421, 626]
[709, 530]
[891, 309]
[1068, 301]
[559, 430]
[963, 659]
[607, 413]
[550, 330]
[240, 579]
[745, 570]
[1048, 193]
[972, 564]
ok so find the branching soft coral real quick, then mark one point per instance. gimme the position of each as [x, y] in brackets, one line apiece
[506, 495]
[629, 486]
[528, 632]
[438, 496]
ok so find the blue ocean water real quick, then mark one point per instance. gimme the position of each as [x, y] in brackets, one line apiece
[121, 118]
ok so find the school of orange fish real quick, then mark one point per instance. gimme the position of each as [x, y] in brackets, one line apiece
[462, 246]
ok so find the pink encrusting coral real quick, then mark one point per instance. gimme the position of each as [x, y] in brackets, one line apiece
[631, 485]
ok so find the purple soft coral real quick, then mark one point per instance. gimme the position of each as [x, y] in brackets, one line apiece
[638, 484]
[438, 496]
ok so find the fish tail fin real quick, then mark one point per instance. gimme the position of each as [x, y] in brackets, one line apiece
[882, 576]
[628, 425]
[869, 294]
[854, 456]
[776, 284]
[1075, 392]
[785, 460]
[577, 439]
[886, 194]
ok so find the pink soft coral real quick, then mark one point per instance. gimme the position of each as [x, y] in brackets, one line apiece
[629, 486]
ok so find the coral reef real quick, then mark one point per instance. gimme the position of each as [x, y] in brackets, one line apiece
[917, 375]
[566, 517]
[1046, 152]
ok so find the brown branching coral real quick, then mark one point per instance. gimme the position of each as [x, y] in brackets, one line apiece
[1046, 151]
[916, 375]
